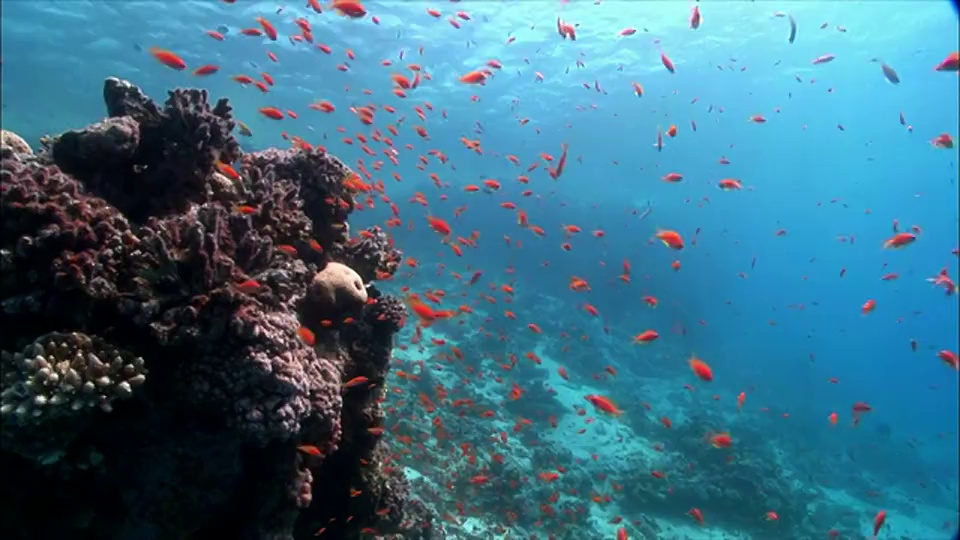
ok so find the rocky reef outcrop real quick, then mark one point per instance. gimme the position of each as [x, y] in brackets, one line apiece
[179, 319]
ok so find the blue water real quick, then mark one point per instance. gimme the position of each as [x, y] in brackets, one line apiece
[771, 314]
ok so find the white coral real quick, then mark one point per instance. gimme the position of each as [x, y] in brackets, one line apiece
[62, 374]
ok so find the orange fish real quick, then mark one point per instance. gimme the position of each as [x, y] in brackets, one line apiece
[548, 476]
[310, 450]
[356, 381]
[268, 28]
[949, 358]
[272, 113]
[249, 286]
[209, 69]
[667, 63]
[307, 336]
[878, 522]
[475, 77]
[646, 336]
[729, 184]
[169, 59]
[604, 404]
[227, 170]
[720, 440]
[671, 239]
[899, 240]
[701, 369]
[438, 225]
[426, 314]
[349, 8]
[950, 63]
[944, 140]
[695, 17]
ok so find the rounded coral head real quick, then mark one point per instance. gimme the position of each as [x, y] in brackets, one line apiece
[337, 289]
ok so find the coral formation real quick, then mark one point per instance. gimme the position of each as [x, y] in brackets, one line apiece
[13, 144]
[154, 300]
[335, 289]
[51, 388]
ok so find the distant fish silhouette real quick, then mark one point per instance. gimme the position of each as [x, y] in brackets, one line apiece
[223, 29]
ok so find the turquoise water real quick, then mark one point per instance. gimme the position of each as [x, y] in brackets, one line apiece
[770, 285]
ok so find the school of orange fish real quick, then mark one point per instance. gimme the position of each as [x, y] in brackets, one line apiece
[383, 132]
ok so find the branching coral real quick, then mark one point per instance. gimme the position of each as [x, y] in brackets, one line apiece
[371, 254]
[123, 252]
[149, 161]
[56, 385]
[319, 180]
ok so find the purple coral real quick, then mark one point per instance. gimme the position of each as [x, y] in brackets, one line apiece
[319, 180]
[125, 234]
[371, 254]
[149, 161]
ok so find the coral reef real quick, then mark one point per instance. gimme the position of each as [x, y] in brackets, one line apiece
[13, 144]
[51, 388]
[177, 334]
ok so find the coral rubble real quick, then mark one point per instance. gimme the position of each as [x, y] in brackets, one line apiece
[157, 382]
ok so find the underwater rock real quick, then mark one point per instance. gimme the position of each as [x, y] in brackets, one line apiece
[113, 141]
[13, 143]
[336, 289]
[155, 381]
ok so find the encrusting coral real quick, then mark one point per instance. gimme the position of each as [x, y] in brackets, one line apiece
[156, 378]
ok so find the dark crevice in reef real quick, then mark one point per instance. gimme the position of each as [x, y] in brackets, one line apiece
[154, 381]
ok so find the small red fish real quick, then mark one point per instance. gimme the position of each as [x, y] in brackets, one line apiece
[349, 8]
[899, 240]
[878, 521]
[356, 381]
[209, 69]
[475, 77]
[647, 336]
[950, 63]
[604, 404]
[310, 450]
[671, 239]
[701, 369]
[272, 112]
[307, 336]
[169, 59]
[667, 62]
